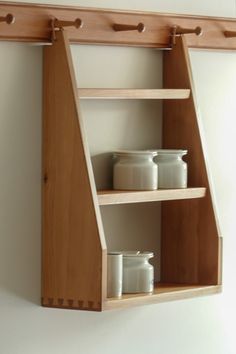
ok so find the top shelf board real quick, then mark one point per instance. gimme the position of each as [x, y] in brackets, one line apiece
[33, 24]
[129, 94]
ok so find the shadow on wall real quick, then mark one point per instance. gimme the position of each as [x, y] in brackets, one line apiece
[103, 170]
[20, 164]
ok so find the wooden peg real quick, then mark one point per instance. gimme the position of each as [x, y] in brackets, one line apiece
[77, 23]
[178, 31]
[120, 27]
[229, 34]
[60, 24]
[9, 19]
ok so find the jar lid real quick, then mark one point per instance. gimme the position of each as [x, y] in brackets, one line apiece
[138, 254]
[135, 152]
[170, 151]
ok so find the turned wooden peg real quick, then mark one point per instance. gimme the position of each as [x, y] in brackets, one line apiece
[9, 19]
[120, 27]
[229, 34]
[177, 31]
[61, 23]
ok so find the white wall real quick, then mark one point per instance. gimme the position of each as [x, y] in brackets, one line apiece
[198, 326]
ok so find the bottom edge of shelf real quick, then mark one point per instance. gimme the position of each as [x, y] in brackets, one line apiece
[162, 293]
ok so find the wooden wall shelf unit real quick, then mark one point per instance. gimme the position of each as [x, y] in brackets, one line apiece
[74, 252]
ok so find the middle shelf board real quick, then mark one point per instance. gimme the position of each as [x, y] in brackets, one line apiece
[111, 197]
[130, 94]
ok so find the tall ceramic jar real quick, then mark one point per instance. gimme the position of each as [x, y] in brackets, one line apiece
[172, 170]
[138, 273]
[135, 170]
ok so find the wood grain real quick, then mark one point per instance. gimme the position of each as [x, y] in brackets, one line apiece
[112, 197]
[191, 244]
[33, 24]
[130, 94]
[73, 249]
[162, 293]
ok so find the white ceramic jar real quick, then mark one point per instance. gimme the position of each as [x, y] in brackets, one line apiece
[138, 273]
[135, 170]
[114, 274]
[172, 170]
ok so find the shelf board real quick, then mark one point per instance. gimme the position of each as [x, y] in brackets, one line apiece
[162, 293]
[110, 197]
[130, 94]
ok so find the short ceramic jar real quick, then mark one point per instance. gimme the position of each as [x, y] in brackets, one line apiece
[114, 274]
[135, 170]
[138, 273]
[172, 170]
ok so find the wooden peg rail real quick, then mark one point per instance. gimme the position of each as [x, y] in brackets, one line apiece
[33, 24]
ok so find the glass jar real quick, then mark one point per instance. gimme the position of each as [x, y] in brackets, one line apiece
[134, 170]
[172, 170]
[138, 273]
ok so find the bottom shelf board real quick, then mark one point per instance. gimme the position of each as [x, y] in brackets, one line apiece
[162, 293]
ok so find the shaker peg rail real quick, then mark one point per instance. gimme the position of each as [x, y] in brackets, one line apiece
[140, 27]
[9, 19]
[106, 26]
[230, 34]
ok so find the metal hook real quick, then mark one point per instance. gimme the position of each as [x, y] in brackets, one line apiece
[178, 31]
[9, 19]
[120, 27]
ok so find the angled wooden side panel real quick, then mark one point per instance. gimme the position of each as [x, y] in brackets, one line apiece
[73, 250]
[191, 244]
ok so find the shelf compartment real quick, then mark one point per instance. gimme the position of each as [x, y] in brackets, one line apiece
[162, 293]
[130, 94]
[109, 197]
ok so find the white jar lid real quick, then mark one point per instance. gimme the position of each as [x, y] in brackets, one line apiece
[137, 254]
[171, 151]
[135, 152]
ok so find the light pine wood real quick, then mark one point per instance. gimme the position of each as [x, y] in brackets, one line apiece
[191, 243]
[73, 249]
[124, 197]
[129, 94]
[33, 24]
[162, 293]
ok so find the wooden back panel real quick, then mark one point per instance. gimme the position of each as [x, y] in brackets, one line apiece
[191, 246]
[73, 250]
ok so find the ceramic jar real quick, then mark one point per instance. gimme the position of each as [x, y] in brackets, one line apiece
[138, 273]
[135, 170]
[172, 170]
[114, 274]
